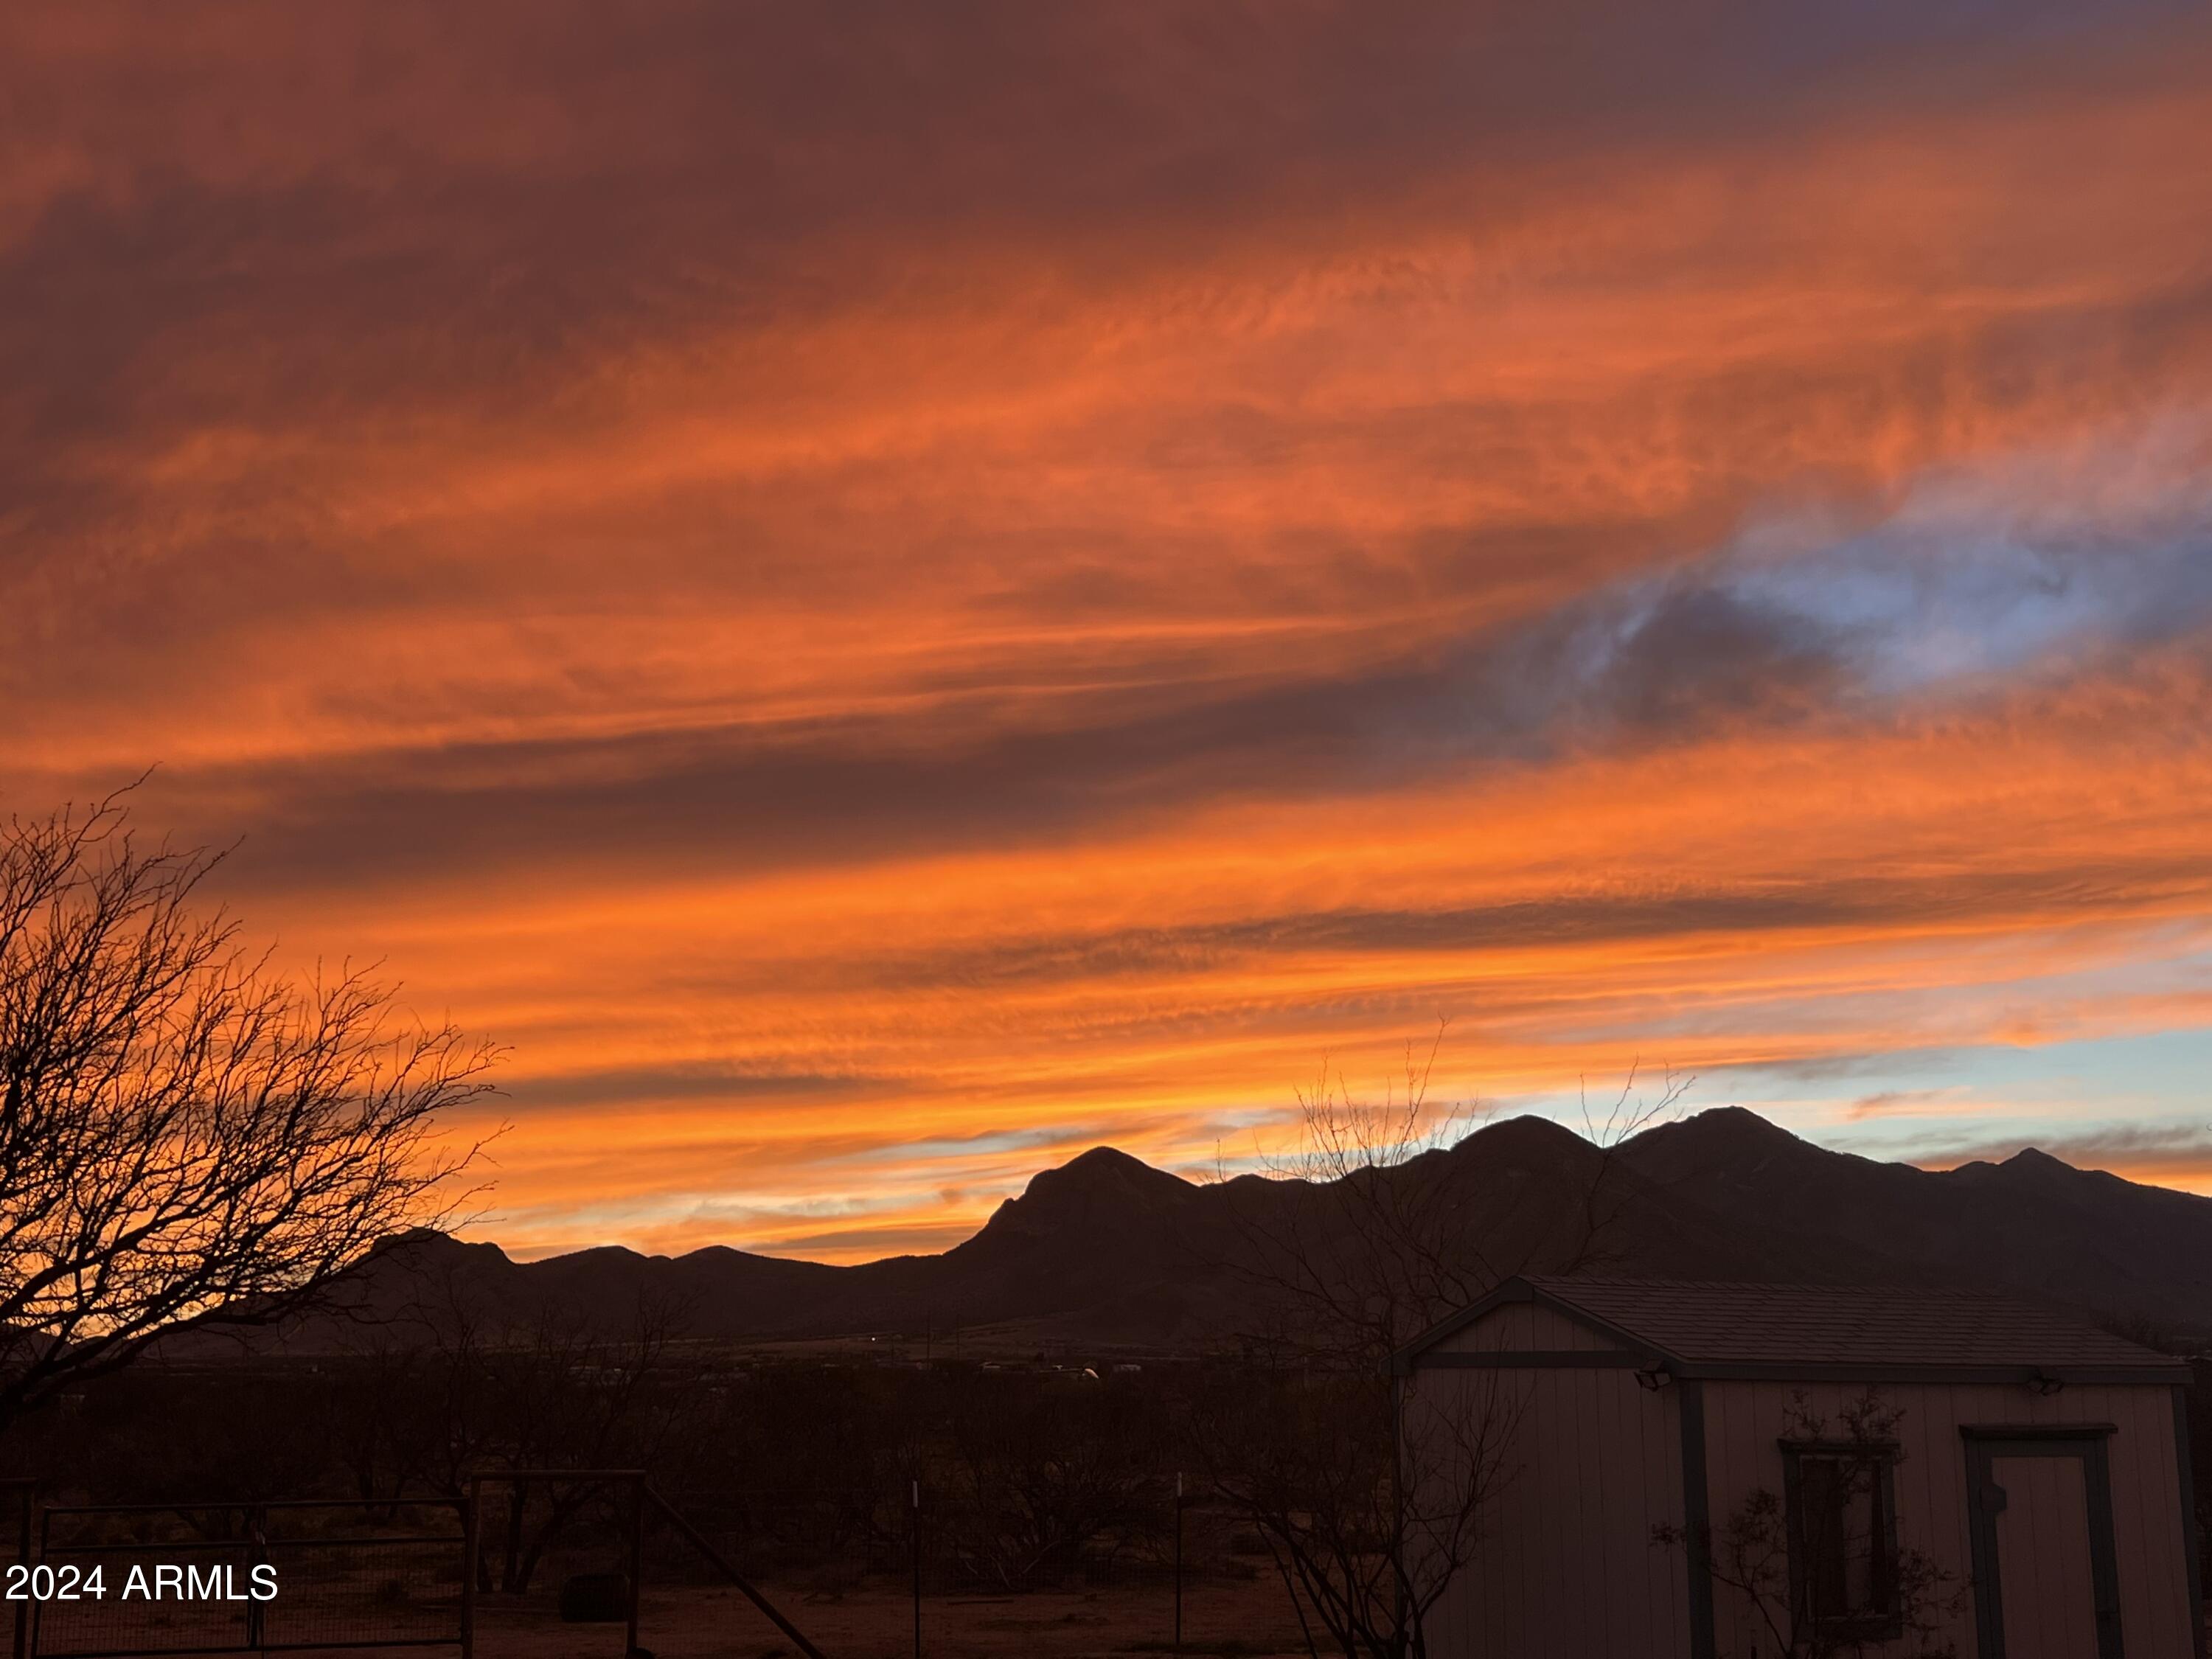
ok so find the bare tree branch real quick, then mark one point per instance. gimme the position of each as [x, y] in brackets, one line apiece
[1372, 1491]
[183, 1135]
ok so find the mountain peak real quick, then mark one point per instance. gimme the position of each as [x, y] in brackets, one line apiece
[1105, 1242]
[2034, 1163]
[426, 1245]
[1103, 1190]
[1719, 1131]
[1524, 1133]
[1105, 1162]
[1735, 1123]
[1105, 1172]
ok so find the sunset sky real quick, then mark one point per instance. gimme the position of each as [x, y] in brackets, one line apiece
[889, 592]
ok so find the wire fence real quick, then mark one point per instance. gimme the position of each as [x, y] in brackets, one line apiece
[824, 1542]
[144, 1579]
[185, 1578]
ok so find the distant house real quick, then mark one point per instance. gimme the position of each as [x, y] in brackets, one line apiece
[1719, 1471]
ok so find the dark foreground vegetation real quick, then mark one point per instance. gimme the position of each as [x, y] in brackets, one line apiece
[1034, 1477]
[1032, 1474]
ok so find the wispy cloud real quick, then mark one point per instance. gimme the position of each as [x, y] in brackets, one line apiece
[2154, 1153]
[887, 601]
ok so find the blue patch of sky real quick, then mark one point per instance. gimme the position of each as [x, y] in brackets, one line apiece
[1925, 1102]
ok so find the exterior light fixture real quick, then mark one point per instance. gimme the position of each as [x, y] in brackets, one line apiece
[1654, 1378]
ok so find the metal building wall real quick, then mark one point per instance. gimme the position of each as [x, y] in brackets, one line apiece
[1567, 1568]
[1744, 1421]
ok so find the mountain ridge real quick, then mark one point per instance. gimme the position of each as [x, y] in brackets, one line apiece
[1106, 1248]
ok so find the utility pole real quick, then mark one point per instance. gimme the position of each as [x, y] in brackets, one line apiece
[917, 1567]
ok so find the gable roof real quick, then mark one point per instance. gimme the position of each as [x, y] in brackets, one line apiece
[1813, 1331]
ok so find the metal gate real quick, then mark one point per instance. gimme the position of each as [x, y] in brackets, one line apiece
[123, 1580]
[181, 1578]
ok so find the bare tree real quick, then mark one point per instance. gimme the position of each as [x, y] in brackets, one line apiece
[563, 1394]
[183, 1133]
[1381, 1233]
[1370, 1493]
[1911, 1600]
[1368, 1515]
[1032, 1481]
[1373, 1244]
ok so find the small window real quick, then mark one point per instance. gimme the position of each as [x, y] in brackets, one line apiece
[1842, 1537]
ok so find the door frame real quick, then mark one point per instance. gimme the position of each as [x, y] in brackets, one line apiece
[1984, 1444]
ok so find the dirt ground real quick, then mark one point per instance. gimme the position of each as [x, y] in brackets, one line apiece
[1250, 1619]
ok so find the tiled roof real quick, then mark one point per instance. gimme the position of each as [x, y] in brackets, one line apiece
[1730, 1323]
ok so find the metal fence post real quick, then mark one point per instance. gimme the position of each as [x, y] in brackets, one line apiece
[471, 1548]
[636, 1559]
[23, 1491]
[257, 1538]
[44, 1547]
[1178, 1562]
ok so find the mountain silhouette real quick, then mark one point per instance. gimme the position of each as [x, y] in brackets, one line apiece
[1107, 1250]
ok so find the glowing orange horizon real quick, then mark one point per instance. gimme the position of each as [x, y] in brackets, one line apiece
[881, 637]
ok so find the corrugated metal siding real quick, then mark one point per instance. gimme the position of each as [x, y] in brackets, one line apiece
[1566, 1568]
[1744, 1420]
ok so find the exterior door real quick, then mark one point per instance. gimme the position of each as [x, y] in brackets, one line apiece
[2045, 1579]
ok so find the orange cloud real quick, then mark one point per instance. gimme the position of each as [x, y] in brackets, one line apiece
[885, 608]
